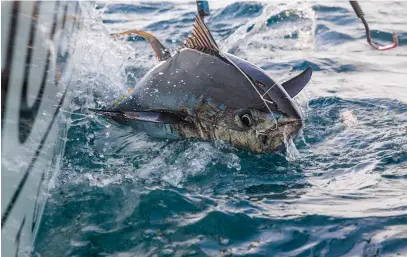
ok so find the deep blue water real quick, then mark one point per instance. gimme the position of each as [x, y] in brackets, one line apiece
[340, 190]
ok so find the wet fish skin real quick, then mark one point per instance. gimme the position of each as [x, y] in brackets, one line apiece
[213, 95]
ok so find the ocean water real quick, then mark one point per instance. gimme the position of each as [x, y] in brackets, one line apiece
[340, 190]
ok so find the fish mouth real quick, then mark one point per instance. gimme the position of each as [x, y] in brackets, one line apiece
[291, 127]
[290, 121]
[282, 123]
[271, 139]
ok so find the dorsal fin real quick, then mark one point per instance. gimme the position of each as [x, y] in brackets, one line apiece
[201, 39]
[161, 52]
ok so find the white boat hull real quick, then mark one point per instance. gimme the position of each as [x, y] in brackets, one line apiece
[37, 42]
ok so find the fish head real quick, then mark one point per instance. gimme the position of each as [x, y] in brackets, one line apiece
[264, 125]
[272, 93]
[254, 129]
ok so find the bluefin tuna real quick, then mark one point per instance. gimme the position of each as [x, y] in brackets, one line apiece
[202, 92]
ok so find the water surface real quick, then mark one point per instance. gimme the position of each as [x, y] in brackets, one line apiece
[340, 190]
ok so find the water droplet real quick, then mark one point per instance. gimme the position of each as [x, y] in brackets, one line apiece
[167, 252]
[224, 241]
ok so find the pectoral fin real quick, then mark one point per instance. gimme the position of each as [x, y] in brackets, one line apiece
[296, 84]
[164, 117]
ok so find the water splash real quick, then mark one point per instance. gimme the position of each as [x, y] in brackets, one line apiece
[269, 33]
[292, 153]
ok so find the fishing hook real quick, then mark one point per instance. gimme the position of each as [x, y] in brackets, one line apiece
[361, 15]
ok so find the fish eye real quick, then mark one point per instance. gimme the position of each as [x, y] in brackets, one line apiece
[247, 119]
